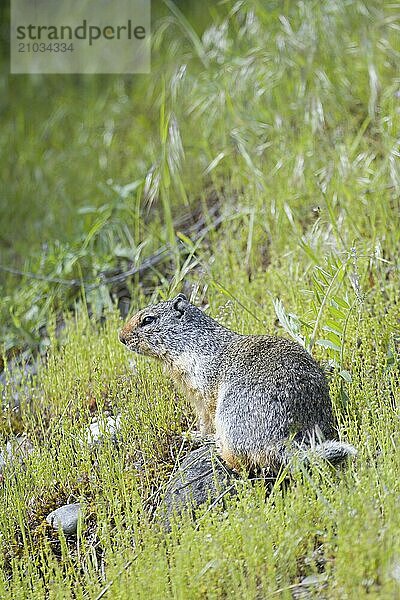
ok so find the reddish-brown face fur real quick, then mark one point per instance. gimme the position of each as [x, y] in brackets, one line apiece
[158, 329]
[130, 326]
[137, 338]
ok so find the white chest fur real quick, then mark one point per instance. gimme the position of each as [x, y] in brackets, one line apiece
[189, 371]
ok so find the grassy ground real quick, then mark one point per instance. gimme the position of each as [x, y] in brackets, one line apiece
[279, 128]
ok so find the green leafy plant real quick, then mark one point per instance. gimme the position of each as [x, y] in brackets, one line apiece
[331, 310]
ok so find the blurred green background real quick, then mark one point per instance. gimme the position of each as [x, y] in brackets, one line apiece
[278, 114]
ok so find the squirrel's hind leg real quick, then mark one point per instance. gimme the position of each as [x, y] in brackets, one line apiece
[270, 459]
[231, 460]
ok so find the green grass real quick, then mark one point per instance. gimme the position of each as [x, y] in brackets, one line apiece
[287, 116]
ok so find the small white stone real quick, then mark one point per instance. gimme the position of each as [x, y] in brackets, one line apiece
[98, 430]
[314, 579]
[66, 517]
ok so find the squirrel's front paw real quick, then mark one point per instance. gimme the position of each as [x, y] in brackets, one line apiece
[197, 436]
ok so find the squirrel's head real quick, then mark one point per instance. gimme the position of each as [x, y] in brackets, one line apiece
[164, 330]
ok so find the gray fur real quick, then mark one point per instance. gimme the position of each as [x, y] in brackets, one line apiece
[335, 452]
[262, 397]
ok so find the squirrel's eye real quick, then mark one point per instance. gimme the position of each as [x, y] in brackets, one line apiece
[147, 320]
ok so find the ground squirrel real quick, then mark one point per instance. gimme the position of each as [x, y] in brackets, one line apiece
[264, 398]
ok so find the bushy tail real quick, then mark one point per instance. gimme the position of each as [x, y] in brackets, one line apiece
[286, 454]
[335, 452]
[332, 451]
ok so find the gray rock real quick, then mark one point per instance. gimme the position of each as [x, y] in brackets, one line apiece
[200, 478]
[314, 579]
[310, 586]
[98, 430]
[17, 449]
[394, 569]
[66, 517]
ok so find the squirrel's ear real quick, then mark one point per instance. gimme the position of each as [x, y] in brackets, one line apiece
[179, 303]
